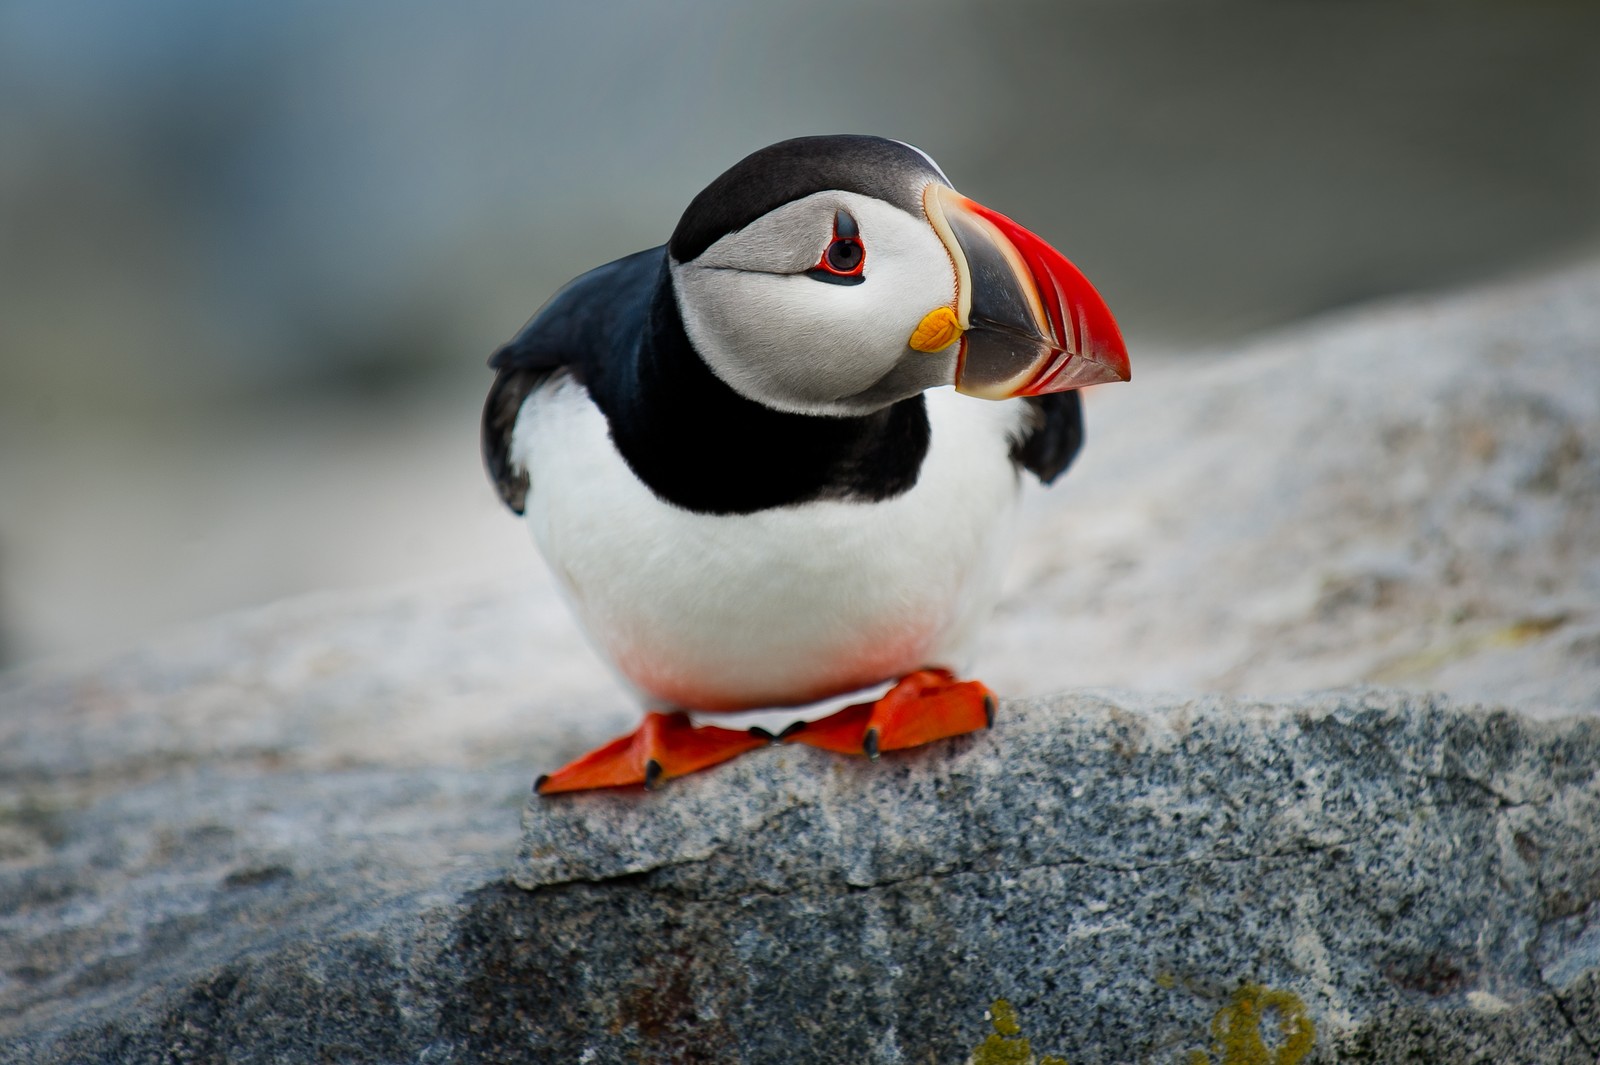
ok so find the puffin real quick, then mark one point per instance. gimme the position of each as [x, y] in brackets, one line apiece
[778, 459]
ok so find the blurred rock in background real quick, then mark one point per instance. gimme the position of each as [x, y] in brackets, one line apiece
[252, 256]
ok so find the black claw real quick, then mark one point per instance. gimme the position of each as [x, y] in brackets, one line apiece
[652, 773]
[870, 744]
[537, 784]
[762, 734]
[988, 711]
[790, 729]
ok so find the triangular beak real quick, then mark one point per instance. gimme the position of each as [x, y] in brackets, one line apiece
[1031, 322]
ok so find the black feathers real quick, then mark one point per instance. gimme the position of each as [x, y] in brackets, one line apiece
[510, 388]
[1052, 436]
[700, 445]
[599, 310]
[694, 441]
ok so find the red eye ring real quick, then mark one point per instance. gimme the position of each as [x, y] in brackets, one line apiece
[845, 255]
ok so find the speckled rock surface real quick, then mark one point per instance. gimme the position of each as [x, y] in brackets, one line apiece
[1424, 878]
[1405, 495]
[292, 835]
[1111, 866]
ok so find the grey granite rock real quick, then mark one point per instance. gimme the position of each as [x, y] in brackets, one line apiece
[292, 835]
[1405, 495]
[1417, 875]
[1424, 878]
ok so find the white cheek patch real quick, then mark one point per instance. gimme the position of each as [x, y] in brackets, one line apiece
[793, 342]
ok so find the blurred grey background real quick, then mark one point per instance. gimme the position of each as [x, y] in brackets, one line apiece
[252, 256]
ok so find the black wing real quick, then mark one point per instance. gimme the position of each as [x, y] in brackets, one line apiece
[511, 386]
[1052, 437]
[574, 332]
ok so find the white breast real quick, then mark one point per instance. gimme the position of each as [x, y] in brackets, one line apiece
[784, 606]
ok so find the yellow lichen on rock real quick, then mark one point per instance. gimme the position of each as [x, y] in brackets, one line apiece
[1006, 1045]
[1236, 1029]
[1236, 1037]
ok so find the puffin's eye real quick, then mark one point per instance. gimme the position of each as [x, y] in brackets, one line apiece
[844, 256]
[842, 261]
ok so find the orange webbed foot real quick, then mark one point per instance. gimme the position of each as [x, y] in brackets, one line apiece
[662, 747]
[928, 705]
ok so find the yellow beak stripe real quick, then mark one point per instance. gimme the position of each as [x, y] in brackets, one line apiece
[937, 330]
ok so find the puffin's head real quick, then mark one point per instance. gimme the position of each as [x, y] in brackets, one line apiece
[837, 275]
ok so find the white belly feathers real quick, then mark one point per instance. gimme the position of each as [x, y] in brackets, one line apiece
[781, 607]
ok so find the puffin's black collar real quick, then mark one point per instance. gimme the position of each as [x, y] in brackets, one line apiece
[702, 446]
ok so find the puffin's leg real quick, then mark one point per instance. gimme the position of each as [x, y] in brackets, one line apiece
[924, 706]
[663, 746]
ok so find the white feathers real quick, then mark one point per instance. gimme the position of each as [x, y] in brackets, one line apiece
[783, 606]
